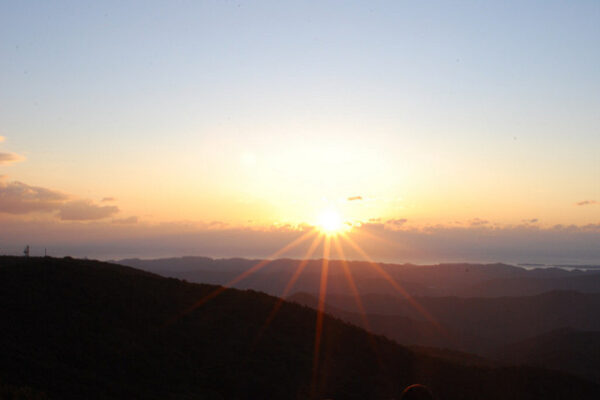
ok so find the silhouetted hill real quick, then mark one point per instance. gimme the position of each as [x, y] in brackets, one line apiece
[85, 329]
[458, 357]
[403, 330]
[588, 282]
[475, 325]
[563, 349]
[461, 280]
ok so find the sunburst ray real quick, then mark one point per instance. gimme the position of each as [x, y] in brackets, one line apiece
[289, 285]
[243, 275]
[320, 311]
[394, 284]
[351, 282]
[357, 299]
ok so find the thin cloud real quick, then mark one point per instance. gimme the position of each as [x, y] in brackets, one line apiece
[531, 220]
[85, 210]
[587, 202]
[491, 243]
[108, 199]
[9, 158]
[478, 222]
[126, 221]
[354, 198]
[217, 224]
[396, 222]
[20, 198]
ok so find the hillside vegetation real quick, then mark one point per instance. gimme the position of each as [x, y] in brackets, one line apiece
[85, 329]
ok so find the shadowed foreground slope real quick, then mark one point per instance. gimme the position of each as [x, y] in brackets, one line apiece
[85, 329]
[566, 349]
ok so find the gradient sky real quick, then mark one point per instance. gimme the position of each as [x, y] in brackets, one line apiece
[238, 115]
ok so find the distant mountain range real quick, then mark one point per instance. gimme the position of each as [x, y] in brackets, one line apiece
[85, 329]
[476, 308]
[478, 325]
[462, 280]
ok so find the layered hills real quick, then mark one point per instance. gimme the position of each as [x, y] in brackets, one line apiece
[86, 329]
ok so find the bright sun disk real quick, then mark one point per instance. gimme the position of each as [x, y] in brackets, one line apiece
[330, 222]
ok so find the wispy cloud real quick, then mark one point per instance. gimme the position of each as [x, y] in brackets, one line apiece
[126, 221]
[85, 210]
[396, 222]
[19, 198]
[108, 199]
[531, 220]
[9, 158]
[587, 202]
[478, 222]
[354, 198]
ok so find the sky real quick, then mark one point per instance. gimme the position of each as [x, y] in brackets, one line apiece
[462, 130]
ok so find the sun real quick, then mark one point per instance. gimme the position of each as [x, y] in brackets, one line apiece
[330, 222]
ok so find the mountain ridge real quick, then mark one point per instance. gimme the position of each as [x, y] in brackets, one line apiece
[82, 328]
[451, 279]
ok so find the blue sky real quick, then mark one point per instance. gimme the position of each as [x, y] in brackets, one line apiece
[266, 112]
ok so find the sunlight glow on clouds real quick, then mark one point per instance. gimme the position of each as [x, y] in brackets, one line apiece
[20, 198]
[7, 157]
[128, 220]
[261, 117]
[588, 202]
[85, 210]
[120, 239]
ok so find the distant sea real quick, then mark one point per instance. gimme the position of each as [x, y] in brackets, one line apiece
[568, 267]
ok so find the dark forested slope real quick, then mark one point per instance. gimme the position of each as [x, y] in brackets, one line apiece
[563, 349]
[85, 329]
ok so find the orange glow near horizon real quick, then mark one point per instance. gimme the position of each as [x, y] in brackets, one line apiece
[325, 239]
